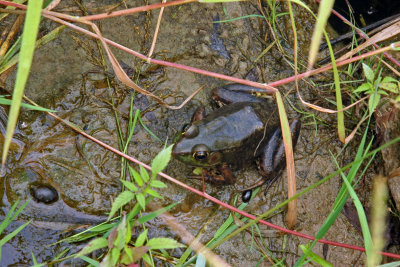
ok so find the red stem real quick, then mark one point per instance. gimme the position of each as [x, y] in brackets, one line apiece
[136, 9]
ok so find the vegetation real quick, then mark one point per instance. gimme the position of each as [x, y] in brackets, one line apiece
[125, 238]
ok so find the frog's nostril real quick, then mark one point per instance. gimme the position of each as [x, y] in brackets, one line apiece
[43, 193]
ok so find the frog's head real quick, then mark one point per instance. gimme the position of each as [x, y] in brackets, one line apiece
[193, 149]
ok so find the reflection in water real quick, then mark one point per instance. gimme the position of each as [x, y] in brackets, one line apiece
[59, 171]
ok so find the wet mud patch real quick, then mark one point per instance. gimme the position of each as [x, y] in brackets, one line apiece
[67, 75]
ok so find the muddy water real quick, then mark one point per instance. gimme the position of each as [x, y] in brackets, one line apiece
[67, 76]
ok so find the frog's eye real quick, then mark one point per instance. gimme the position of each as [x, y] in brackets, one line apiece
[200, 155]
[192, 131]
[200, 152]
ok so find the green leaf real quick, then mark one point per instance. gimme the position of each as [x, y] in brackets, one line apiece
[157, 184]
[368, 72]
[95, 244]
[5, 101]
[130, 186]
[391, 87]
[153, 193]
[388, 79]
[198, 171]
[102, 227]
[120, 201]
[381, 92]
[373, 102]
[31, 27]
[133, 254]
[115, 253]
[119, 241]
[135, 175]
[163, 243]
[147, 259]
[364, 87]
[128, 232]
[141, 200]
[161, 161]
[127, 257]
[141, 238]
[144, 174]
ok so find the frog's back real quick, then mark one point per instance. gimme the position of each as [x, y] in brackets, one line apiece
[237, 130]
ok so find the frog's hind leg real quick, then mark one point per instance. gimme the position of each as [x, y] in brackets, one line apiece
[272, 159]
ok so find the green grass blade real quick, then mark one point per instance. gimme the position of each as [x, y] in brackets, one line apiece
[326, 6]
[148, 130]
[29, 34]
[237, 18]
[224, 230]
[35, 263]
[13, 233]
[314, 257]
[11, 215]
[324, 11]
[360, 211]
[339, 104]
[4, 101]
[8, 219]
[11, 57]
[90, 261]
[342, 195]
[152, 215]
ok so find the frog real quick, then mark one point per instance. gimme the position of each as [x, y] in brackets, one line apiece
[245, 128]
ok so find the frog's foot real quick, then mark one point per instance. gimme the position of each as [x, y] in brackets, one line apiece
[222, 175]
[199, 114]
[236, 92]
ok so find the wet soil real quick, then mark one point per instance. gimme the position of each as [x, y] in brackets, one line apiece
[68, 76]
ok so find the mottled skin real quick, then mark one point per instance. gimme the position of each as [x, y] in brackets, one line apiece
[231, 137]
